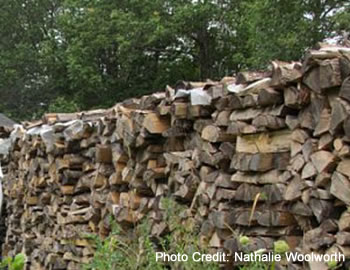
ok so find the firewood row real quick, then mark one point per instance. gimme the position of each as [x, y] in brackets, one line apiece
[264, 154]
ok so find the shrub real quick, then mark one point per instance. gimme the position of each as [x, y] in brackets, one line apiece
[16, 263]
[137, 250]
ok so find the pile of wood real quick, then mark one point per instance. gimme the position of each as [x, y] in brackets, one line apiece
[262, 154]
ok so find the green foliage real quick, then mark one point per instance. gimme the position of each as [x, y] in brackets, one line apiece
[332, 265]
[280, 247]
[96, 53]
[60, 104]
[136, 250]
[16, 263]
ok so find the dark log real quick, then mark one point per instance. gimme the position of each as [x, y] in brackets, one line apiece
[296, 97]
[269, 97]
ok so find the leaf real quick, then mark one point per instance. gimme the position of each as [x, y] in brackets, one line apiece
[19, 262]
[5, 262]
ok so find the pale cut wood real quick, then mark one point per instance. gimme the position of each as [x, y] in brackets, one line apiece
[272, 142]
[155, 124]
[215, 134]
[179, 110]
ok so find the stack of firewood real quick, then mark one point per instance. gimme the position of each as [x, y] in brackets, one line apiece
[262, 154]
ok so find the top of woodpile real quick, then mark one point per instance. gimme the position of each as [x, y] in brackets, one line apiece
[5, 121]
[244, 84]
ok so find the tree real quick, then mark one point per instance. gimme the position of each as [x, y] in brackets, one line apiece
[82, 54]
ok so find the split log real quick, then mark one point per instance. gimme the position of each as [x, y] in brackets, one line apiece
[340, 112]
[250, 100]
[260, 162]
[340, 187]
[345, 90]
[250, 76]
[283, 73]
[323, 161]
[236, 128]
[265, 121]
[269, 97]
[344, 222]
[270, 177]
[324, 123]
[324, 76]
[155, 124]
[103, 153]
[215, 134]
[272, 142]
[296, 97]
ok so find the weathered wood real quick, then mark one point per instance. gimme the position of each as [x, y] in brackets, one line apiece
[340, 187]
[250, 100]
[223, 118]
[344, 167]
[240, 127]
[324, 76]
[246, 77]
[260, 162]
[215, 134]
[324, 123]
[234, 102]
[344, 222]
[269, 97]
[296, 163]
[322, 209]
[270, 218]
[309, 171]
[325, 142]
[323, 161]
[345, 89]
[343, 238]
[292, 122]
[283, 73]
[339, 113]
[270, 177]
[296, 97]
